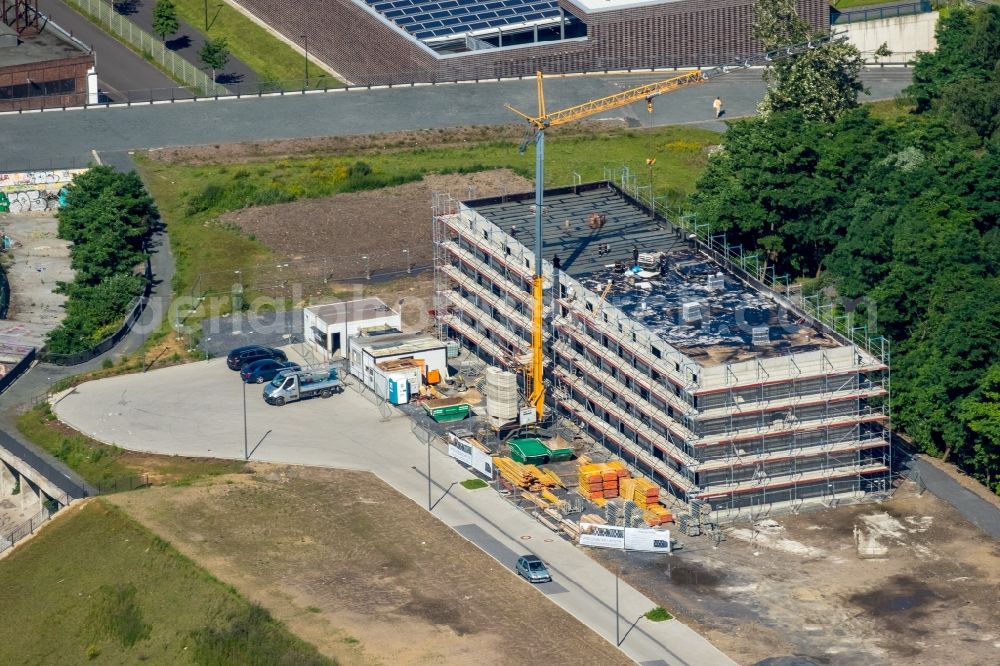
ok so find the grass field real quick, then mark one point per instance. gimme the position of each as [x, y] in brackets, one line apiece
[191, 197]
[96, 585]
[97, 462]
[272, 59]
[363, 573]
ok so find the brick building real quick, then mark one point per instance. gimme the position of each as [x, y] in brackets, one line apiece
[402, 41]
[43, 70]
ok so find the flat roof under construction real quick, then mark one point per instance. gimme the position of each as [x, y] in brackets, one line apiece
[688, 300]
[361, 309]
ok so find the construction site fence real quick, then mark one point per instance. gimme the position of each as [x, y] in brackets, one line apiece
[880, 12]
[149, 46]
[10, 537]
[119, 484]
[284, 277]
[321, 85]
[753, 267]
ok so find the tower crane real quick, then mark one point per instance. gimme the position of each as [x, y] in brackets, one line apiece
[544, 120]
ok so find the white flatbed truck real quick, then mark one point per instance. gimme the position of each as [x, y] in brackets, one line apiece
[292, 385]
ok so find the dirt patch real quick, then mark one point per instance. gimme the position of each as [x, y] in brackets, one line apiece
[378, 224]
[353, 145]
[902, 582]
[362, 572]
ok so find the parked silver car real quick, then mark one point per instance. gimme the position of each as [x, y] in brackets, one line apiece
[533, 569]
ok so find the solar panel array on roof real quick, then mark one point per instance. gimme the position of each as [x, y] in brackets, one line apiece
[425, 19]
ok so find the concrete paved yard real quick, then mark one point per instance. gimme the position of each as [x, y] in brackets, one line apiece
[39, 259]
[196, 410]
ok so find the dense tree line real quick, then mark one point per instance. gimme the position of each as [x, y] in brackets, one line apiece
[108, 216]
[903, 211]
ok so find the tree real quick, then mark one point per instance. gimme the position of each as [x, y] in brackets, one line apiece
[981, 414]
[165, 19]
[214, 54]
[822, 83]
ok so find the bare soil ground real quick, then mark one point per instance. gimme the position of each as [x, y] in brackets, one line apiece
[351, 145]
[361, 572]
[378, 224]
[907, 581]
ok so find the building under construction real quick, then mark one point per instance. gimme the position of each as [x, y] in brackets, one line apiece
[667, 352]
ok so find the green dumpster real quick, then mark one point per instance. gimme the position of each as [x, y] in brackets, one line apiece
[446, 410]
[529, 451]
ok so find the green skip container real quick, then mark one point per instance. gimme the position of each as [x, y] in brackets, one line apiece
[447, 410]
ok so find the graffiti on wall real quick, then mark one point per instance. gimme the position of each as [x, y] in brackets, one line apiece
[34, 191]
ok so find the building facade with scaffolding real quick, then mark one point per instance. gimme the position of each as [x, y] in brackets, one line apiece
[688, 358]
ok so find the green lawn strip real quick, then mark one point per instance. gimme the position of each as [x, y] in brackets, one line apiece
[473, 484]
[272, 59]
[97, 462]
[190, 198]
[889, 109]
[95, 584]
[845, 5]
[658, 614]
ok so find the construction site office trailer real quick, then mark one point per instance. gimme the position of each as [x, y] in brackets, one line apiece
[369, 351]
[328, 327]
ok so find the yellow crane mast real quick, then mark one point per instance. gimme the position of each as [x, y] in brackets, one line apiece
[543, 121]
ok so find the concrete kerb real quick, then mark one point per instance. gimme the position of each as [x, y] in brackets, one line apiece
[356, 88]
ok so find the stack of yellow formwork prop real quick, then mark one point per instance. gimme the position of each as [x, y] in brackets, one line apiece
[526, 476]
[657, 514]
[600, 481]
[645, 493]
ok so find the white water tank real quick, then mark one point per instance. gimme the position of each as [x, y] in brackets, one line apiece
[501, 395]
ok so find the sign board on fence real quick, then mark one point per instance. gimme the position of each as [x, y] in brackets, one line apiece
[625, 538]
[647, 540]
[602, 536]
[464, 452]
[527, 416]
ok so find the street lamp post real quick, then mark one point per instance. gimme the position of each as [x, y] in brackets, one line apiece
[246, 442]
[618, 638]
[305, 38]
[429, 507]
[406, 253]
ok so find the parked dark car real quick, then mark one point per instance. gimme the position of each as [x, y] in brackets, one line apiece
[264, 370]
[533, 569]
[244, 355]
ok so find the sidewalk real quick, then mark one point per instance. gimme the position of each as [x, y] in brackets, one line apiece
[187, 41]
[119, 69]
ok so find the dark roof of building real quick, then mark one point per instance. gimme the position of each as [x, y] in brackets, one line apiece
[47, 45]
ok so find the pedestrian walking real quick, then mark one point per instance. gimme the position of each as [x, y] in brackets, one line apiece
[717, 105]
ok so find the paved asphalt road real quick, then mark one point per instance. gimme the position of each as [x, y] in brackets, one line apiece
[118, 68]
[978, 511]
[66, 137]
[196, 409]
[187, 41]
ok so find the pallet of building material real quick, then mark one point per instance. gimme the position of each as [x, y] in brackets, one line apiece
[572, 529]
[549, 479]
[592, 518]
[599, 501]
[626, 488]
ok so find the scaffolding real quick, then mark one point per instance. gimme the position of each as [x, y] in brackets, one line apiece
[778, 428]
